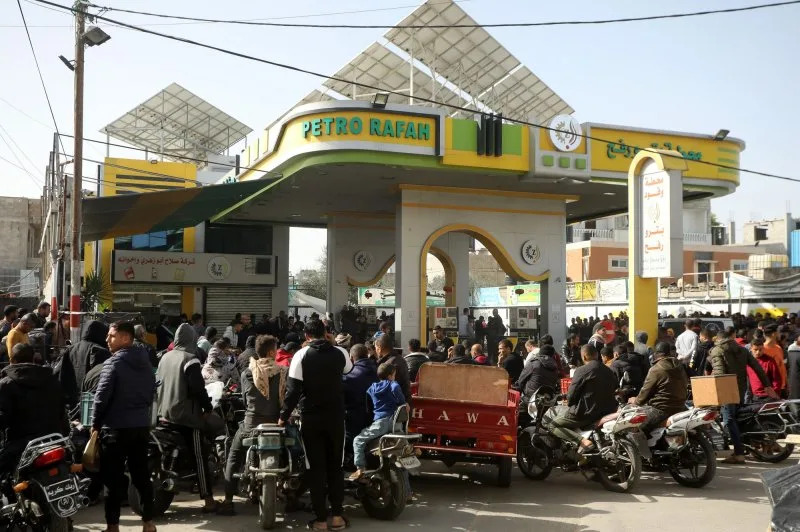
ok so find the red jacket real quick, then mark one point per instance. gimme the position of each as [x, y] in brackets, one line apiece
[283, 358]
[741, 341]
[771, 369]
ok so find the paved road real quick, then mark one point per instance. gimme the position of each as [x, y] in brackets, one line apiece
[463, 499]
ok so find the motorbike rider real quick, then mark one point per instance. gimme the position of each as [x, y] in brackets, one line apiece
[571, 351]
[728, 357]
[81, 357]
[542, 370]
[590, 397]
[627, 371]
[263, 390]
[184, 402]
[31, 406]
[356, 384]
[664, 390]
[121, 415]
[315, 385]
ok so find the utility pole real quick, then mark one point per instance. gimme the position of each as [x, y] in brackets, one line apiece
[77, 181]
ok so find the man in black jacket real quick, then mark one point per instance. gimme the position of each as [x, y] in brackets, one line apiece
[590, 397]
[315, 386]
[627, 371]
[79, 358]
[571, 351]
[31, 405]
[541, 371]
[384, 347]
[460, 356]
[510, 359]
[243, 360]
[121, 416]
[415, 358]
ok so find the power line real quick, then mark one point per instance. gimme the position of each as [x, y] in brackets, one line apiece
[33, 164]
[21, 164]
[27, 172]
[39, 70]
[310, 15]
[389, 91]
[17, 109]
[446, 26]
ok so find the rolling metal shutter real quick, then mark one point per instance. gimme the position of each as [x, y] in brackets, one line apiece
[223, 302]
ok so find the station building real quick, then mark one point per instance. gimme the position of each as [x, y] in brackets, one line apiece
[394, 178]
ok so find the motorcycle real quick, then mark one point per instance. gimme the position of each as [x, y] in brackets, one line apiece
[617, 463]
[228, 404]
[763, 428]
[172, 468]
[682, 447]
[46, 487]
[275, 466]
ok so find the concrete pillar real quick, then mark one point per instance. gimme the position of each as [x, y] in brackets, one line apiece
[280, 249]
[408, 246]
[337, 274]
[456, 248]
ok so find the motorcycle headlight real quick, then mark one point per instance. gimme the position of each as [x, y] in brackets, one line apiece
[676, 440]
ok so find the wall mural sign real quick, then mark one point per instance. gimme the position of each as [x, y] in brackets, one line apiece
[565, 132]
[361, 260]
[659, 224]
[531, 253]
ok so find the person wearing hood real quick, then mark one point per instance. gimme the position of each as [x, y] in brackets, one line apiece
[219, 367]
[642, 350]
[263, 392]
[184, 402]
[542, 370]
[355, 386]
[31, 405]
[727, 358]
[627, 371]
[81, 357]
[121, 416]
[285, 354]
[243, 360]
[664, 390]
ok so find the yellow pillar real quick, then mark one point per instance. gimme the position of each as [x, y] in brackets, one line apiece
[642, 292]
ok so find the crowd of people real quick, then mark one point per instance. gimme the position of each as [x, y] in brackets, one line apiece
[346, 388]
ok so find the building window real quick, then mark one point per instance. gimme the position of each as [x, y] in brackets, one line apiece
[760, 234]
[739, 265]
[171, 240]
[617, 263]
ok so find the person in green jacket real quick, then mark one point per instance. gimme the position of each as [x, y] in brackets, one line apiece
[664, 390]
[729, 358]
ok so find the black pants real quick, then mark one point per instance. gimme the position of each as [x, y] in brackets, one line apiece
[236, 457]
[118, 446]
[323, 441]
[9, 459]
[198, 450]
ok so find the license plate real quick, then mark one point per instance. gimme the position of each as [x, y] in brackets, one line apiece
[410, 462]
[62, 489]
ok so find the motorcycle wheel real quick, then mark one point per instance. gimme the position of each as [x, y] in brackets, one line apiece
[391, 501]
[161, 500]
[504, 467]
[685, 467]
[622, 476]
[267, 504]
[533, 459]
[777, 453]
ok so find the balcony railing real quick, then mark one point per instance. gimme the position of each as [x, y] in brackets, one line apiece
[697, 238]
[581, 235]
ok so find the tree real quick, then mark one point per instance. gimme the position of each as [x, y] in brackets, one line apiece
[714, 220]
[314, 282]
[96, 290]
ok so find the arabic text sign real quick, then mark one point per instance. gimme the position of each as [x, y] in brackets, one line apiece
[659, 199]
[166, 267]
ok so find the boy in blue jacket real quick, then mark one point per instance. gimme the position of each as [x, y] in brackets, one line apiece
[386, 397]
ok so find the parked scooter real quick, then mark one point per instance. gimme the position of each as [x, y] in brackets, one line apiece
[617, 463]
[275, 465]
[46, 485]
[681, 446]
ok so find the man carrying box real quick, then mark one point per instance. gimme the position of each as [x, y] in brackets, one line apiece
[729, 358]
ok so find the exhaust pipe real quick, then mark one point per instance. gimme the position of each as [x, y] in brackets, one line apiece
[84, 502]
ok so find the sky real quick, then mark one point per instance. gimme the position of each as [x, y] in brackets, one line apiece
[733, 71]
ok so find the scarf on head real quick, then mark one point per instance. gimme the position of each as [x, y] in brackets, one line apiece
[263, 369]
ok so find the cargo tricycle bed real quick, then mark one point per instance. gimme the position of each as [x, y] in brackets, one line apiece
[466, 413]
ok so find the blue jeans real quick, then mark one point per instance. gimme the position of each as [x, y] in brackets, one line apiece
[378, 428]
[729, 420]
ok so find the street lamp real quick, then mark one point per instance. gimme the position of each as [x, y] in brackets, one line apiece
[380, 100]
[722, 134]
[93, 37]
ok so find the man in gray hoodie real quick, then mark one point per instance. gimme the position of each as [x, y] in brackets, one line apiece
[184, 402]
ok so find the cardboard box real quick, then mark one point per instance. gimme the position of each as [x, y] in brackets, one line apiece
[715, 391]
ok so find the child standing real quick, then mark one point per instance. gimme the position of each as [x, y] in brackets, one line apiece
[386, 397]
